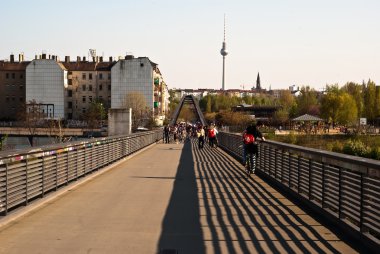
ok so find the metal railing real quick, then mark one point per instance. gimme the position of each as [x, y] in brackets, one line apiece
[346, 188]
[28, 175]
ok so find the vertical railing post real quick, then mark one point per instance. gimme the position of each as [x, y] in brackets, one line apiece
[67, 167]
[290, 170]
[340, 194]
[298, 173]
[323, 185]
[43, 175]
[76, 163]
[361, 202]
[26, 180]
[275, 164]
[85, 159]
[56, 171]
[6, 189]
[309, 180]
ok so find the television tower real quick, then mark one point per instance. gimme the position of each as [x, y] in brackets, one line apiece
[223, 51]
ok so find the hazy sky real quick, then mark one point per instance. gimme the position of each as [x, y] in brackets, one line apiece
[299, 42]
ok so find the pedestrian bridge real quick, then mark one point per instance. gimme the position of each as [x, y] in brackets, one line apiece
[135, 194]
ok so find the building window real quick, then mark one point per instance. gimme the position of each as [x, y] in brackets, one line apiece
[84, 87]
[100, 98]
[100, 87]
[7, 98]
[109, 100]
[70, 115]
[90, 98]
[84, 99]
[109, 76]
[89, 87]
[70, 93]
[70, 82]
[83, 75]
[109, 87]
[7, 75]
[13, 98]
[21, 76]
[100, 75]
[13, 75]
[21, 99]
[70, 104]
[83, 110]
[21, 87]
[90, 76]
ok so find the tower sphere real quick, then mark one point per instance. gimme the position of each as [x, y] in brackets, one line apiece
[223, 52]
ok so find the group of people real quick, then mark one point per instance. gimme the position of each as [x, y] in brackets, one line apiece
[182, 132]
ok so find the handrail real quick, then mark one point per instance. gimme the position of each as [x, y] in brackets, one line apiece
[344, 187]
[31, 173]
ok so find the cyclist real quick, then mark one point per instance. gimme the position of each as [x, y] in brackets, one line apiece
[250, 146]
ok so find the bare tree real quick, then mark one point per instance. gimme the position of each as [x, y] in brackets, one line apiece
[141, 113]
[32, 115]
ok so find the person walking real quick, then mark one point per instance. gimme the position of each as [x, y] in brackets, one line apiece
[166, 134]
[250, 137]
[212, 136]
[201, 137]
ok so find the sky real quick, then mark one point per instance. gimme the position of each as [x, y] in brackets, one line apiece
[289, 42]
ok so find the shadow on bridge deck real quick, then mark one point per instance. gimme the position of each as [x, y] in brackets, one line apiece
[215, 209]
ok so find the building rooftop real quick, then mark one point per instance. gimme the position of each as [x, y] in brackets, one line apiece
[13, 66]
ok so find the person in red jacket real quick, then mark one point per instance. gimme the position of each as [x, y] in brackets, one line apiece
[212, 136]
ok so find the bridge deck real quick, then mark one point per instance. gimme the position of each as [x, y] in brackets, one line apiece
[171, 197]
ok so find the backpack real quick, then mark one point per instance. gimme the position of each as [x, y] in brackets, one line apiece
[248, 139]
[211, 133]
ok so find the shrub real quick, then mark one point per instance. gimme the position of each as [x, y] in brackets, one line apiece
[335, 146]
[356, 147]
[291, 138]
[375, 153]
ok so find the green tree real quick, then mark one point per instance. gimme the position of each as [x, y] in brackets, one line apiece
[347, 111]
[3, 138]
[307, 101]
[95, 114]
[356, 91]
[370, 100]
[208, 105]
[330, 103]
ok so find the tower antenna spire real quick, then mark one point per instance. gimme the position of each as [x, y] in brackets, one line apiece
[223, 51]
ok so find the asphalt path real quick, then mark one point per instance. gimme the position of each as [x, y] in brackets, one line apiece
[171, 198]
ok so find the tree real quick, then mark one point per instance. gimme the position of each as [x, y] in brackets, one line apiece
[32, 116]
[370, 100]
[187, 114]
[3, 138]
[330, 103]
[141, 113]
[281, 116]
[347, 111]
[307, 102]
[95, 114]
[356, 91]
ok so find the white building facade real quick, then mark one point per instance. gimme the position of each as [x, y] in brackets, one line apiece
[46, 81]
[139, 75]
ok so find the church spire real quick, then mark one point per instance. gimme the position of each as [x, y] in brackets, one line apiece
[258, 83]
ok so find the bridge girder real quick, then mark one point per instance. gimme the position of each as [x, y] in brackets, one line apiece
[189, 100]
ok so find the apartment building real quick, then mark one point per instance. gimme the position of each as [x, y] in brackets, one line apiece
[46, 84]
[139, 75]
[66, 89]
[12, 87]
[87, 82]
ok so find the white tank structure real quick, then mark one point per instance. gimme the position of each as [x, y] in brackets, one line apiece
[224, 53]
